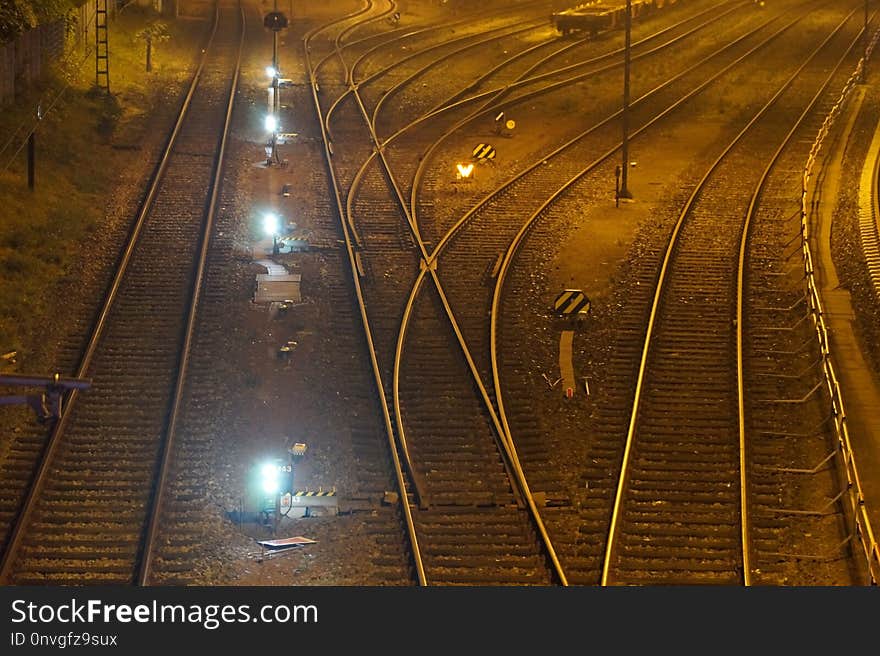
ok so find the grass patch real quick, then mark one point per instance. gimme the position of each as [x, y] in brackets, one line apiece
[44, 230]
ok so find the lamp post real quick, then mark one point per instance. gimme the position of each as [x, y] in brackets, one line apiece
[624, 190]
[275, 104]
[276, 481]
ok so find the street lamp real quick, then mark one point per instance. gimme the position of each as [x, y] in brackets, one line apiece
[271, 475]
[270, 478]
[271, 121]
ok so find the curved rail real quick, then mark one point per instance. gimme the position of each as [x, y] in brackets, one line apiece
[377, 375]
[424, 269]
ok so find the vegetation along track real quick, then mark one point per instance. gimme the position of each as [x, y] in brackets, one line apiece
[90, 514]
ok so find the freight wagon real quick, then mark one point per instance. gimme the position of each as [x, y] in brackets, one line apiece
[601, 15]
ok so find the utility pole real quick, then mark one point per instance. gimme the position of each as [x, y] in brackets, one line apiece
[275, 102]
[865, 47]
[102, 46]
[624, 190]
[275, 106]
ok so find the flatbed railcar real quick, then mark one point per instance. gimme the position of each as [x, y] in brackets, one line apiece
[601, 15]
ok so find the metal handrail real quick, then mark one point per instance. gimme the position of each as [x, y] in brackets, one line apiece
[861, 529]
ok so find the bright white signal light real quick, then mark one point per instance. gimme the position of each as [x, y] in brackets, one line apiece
[271, 123]
[271, 72]
[465, 170]
[270, 223]
[270, 476]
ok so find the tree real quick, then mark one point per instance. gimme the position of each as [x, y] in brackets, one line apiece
[17, 16]
[155, 31]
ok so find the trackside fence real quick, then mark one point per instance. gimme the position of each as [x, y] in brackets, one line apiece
[861, 533]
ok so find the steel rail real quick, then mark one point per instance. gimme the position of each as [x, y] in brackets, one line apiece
[660, 288]
[146, 566]
[401, 482]
[430, 259]
[381, 155]
[427, 267]
[714, 12]
[467, 217]
[393, 37]
[501, 434]
[740, 322]
[861, 521]
[494, 104]
[61, 424]
[377, 375]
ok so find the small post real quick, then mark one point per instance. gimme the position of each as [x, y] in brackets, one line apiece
[617, 186]
[32, 152]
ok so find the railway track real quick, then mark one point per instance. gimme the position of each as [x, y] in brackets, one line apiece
[473, 260]
[683, 507]
[486, 499]
[455, 456]
[90, 514]
[589, 491]
[491, 498]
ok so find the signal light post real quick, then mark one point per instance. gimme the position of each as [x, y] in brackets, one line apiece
[624, 189]
[277, 478]
[275, 21]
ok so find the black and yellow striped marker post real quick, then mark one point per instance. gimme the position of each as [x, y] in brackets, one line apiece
[314, 493]
[572, 301]
[484, 151]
